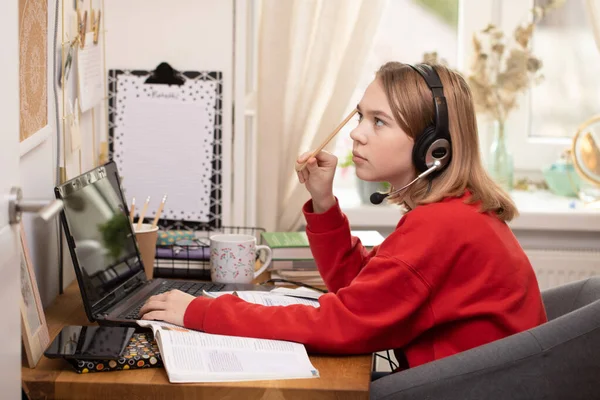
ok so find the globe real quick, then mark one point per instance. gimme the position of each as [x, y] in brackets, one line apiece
[585, 154]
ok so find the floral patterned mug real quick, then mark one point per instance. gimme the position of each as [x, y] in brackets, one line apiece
[233, 256]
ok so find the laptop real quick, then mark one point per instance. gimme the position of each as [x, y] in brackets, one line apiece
[105, 254]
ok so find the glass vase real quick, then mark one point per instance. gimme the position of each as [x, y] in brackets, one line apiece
[500, 160]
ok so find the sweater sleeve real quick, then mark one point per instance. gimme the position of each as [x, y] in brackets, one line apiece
[385, 307]
[338, 255]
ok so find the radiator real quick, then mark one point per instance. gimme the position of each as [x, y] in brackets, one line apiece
[557, 267]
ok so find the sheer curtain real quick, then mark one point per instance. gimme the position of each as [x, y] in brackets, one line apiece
[593, 9]
[311, 54]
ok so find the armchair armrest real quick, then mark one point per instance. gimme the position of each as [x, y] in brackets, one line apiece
[436, 380]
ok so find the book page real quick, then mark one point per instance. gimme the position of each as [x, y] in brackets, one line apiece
[192, 356]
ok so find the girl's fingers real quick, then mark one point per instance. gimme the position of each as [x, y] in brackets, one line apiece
[302, 175]
[303, 157]
[312, 165]
[305, 174]
[325, 158]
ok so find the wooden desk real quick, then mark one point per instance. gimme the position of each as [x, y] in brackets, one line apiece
[341, 377]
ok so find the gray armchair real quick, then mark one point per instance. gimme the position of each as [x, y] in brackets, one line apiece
[557, 360]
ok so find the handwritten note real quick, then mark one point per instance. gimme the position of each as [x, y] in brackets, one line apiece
[89, 73]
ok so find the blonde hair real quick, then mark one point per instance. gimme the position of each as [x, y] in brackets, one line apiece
[411, 102]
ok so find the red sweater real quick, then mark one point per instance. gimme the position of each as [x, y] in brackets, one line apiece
[448, 278]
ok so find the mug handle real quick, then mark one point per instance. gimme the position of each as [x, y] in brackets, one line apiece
[267, 261]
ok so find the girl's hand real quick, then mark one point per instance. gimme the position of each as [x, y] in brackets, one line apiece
[168, 307]
[318, 178]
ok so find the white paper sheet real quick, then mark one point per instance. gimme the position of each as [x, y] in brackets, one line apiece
[269, 299]
[163, 144]
[89, 73]
[301, 292]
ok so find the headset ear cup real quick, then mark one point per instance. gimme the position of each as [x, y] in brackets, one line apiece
[421, 146]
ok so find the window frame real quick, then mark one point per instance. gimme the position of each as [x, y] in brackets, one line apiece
[529, 153]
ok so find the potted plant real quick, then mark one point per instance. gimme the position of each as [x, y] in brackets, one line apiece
[503, 68]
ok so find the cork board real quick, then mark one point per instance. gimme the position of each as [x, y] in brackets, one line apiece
[33, 77]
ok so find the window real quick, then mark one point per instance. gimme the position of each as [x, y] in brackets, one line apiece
[408, 30]
[550, 113]
[570, 92]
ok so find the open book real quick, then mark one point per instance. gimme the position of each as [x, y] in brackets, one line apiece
[193, 356]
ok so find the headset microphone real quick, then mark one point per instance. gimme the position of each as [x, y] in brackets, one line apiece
[377, 197]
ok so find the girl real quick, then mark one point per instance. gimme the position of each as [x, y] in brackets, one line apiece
[450, 277]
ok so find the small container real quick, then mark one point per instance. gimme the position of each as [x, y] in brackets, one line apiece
[562, 178]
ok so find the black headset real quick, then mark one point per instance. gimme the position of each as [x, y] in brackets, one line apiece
[432, 150]
[434, 143]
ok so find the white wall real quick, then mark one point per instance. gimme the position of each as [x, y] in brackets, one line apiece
[192, 35]
[189, 34]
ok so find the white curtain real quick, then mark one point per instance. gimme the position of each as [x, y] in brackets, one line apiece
[593, 9]
[311, 54]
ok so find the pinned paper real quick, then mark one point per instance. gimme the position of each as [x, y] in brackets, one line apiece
[89, 74]
[73, 126]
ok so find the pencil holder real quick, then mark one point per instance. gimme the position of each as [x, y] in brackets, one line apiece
[146, 237]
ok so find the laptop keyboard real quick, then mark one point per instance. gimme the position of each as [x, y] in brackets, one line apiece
[193, 288]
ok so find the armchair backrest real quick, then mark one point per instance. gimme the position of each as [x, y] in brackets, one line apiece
[556, 360]
[571, 296]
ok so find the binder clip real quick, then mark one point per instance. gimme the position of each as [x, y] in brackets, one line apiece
[165, 74]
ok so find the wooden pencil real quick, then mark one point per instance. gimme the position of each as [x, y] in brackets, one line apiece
[132, 210]
[143, 214]
[300, 167]
[159, 212]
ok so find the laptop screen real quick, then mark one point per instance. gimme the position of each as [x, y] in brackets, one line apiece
[100, 230]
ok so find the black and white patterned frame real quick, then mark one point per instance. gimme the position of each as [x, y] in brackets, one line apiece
[216, 207]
